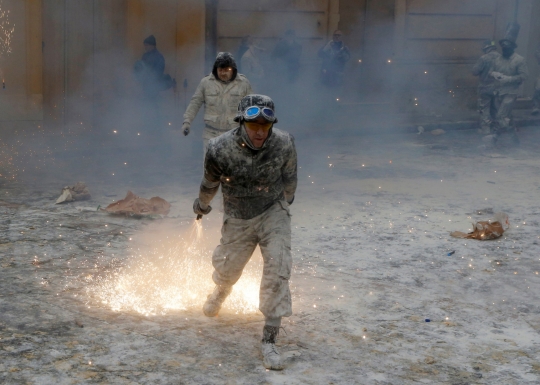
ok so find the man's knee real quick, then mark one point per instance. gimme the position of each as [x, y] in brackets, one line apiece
[229, 264]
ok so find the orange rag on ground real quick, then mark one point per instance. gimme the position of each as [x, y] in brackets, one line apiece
[134, 205]
[485, 230]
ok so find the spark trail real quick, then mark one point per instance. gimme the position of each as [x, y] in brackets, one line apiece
[171, 277]
[6, 31]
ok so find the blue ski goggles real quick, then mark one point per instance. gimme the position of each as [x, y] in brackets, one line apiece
[253, 112]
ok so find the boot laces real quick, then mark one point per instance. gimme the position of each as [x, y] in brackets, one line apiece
[274, 349]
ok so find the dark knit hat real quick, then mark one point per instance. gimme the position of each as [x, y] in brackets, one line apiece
[488, 44]
[150, 40]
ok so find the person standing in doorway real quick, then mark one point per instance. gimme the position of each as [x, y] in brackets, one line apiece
[510, 71]
[251, 64]
[486, 87]
[334, 56]
[149, 71]
[286, 54]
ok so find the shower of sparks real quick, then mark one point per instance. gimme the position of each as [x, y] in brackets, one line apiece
[8, 169]
[6, 31]
[177, 277]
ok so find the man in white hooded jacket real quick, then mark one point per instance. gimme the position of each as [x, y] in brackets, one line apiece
[220, 92]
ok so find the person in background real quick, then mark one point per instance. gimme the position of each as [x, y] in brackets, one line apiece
[220, 92]
[286, 54]
[150, 69]
[149, 72]
[536, 96]
[251, 64]
[486, 86]
[256, 166]
[510, 71]
[244, 46]
[334, 56]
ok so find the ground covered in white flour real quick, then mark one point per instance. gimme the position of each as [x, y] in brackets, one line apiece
[90, 298]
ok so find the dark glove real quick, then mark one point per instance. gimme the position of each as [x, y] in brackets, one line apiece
[185, 128]
[198, 208]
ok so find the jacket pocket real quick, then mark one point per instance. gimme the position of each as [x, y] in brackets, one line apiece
[234, 100]
[286, 263]
[211, 98]
[210, 118]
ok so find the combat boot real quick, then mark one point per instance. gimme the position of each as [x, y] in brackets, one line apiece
[271, 357]
[213, 303]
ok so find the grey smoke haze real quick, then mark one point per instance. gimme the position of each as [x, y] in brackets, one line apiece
[383, 78]
[371, 218]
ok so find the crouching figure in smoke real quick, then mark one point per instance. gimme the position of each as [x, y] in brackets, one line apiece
[255, 164]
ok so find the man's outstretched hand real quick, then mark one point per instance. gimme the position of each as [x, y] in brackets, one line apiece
[201, 209]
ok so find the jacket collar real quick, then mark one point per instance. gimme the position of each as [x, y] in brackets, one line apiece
[245, 141]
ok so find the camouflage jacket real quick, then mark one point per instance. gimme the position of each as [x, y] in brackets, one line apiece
[220, 99]
[483, 69]
[252, 180]
[515, 67]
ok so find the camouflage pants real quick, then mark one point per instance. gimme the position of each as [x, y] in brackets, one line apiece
[504, 104]
[486, 108]
[272, 232]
